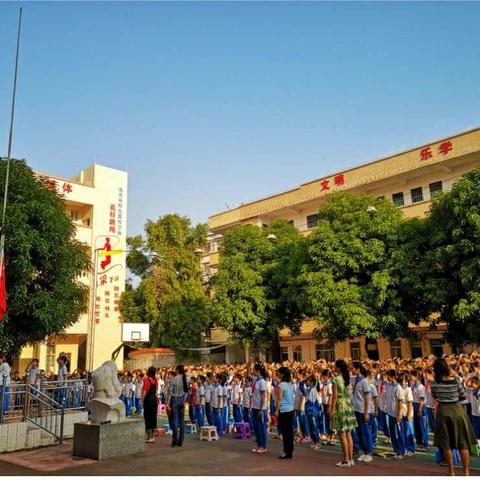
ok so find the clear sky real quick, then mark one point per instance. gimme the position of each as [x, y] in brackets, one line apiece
[207, 104]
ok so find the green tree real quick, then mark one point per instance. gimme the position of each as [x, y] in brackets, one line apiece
[452, 264]
[44, 262]
[170, 295]
[254, 292]
[349, 283]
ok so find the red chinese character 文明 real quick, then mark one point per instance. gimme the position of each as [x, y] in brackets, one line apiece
[445, 147]
[426, 153]
[325, 185]
[339, 180]
[67, 188]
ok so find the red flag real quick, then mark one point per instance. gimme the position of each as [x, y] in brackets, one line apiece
[3, 290]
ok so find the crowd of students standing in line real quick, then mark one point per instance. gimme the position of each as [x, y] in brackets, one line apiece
[312, 402]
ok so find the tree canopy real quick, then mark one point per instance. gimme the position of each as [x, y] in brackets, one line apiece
[170, 295]
[44, 262]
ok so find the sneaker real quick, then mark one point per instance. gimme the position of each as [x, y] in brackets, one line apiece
[399, 457]
[409, 454]
[422, 449]
[150, 440]
[315, 447]
[361, 458]
[367, 458]
[343, 464]
[352, 463]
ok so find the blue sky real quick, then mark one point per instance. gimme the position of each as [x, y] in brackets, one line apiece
[207, 104]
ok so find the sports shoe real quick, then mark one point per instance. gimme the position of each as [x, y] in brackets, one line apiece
[352, 463]
[399, 457]
[361, 458]
[343, 464]
[367, 458]
[409, 454]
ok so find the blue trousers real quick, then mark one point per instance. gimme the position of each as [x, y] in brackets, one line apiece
[200, 415]
[6, 398]
[313, 428]
[208, 414]
[408, 435]
[301, 421]
[383, 423]
[218, 421]
[431, 418]
[363, 433]
[138, 406]
[260, 427]
[356, 441]
[398, 441]
[247, 417]
[178, 420]
[476, 426]
[128, 405]
[325, 421]
[237, 414]
[373, 426]
[420, 425]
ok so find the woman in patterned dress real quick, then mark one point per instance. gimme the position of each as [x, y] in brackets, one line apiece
[342, 414]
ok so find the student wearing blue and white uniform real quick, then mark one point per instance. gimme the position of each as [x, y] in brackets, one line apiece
[138, 385]
[5, 372]
[407, 420]
[208, 396]
[260, 409]
[325, 397]
[396, 410]
[429, 401]
[420, 414]
[361, 398]
[200, 401]
[299, 391]
[226, 392]
[373, 410]
[127, 394]
[312, 410]
[237, 398]
[246, 402]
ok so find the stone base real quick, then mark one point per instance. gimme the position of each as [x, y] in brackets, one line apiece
[109, 440]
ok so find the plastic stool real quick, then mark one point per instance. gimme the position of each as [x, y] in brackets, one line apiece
[190, 428]
[208, 433]
[241, 430]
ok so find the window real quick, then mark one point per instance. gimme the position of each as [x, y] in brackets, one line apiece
[417, 194]
[416, 348]
[398, 199]
[437, 346]
[381, 197]
[312, 220]
[283, 353]
[435, 189]
[395, 348]
[297, 353]
[325, 351]
[75, 215]
[355, 350]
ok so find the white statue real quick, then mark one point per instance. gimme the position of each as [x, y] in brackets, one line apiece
[105, 405]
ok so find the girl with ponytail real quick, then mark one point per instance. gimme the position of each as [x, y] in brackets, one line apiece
[341, 410]
[177, 393]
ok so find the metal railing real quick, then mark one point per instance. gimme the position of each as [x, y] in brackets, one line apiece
[69, 394]
[44, 412]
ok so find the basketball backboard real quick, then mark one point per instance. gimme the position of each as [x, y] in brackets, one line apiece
[135, 332]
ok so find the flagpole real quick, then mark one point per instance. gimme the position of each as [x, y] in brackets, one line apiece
[10, 142]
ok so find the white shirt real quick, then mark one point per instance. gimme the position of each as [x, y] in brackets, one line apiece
[373, 396]
[418, 392]
[236, 393]
[360, 389]
[208, 392]
[62, 372]
[247, 395]
[33, 376]
[5, 372]
[326, 391]
[397, 395]
[260, 387]
[200, 397]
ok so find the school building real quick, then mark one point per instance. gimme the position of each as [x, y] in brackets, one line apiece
[96, 201]
[409, 179]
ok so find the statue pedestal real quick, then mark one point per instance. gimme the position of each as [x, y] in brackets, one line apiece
[97, 441]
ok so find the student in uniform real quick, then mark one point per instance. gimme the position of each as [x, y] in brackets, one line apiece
[208, 396]
[312, 410]
[200, 401]
[361, 399]
[396, 410]
[299, 404]
[383, 387]
[127, 394]
[246, 401]
[407, 420]
[225, 413]
[325, 396]
[217, 404]
[191, 399]
[138, 393]
[237, 398]
[214, 402]
[373, 410]
[429, 400]
[420, 415]
[260, 409]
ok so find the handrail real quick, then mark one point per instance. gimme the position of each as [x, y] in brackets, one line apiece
[44, 412]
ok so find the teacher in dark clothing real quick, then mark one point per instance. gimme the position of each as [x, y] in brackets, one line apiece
[149, 399]
[177, 392]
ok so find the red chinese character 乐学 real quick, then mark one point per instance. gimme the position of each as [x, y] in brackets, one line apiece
[426, 153]
[445, 147]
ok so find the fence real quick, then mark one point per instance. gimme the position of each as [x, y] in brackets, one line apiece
[69, 394]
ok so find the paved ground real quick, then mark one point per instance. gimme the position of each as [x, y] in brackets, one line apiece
[225, 457]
